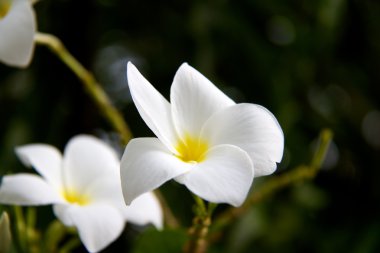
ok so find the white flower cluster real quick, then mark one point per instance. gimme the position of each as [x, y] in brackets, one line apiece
[84, 188]
[205, 141]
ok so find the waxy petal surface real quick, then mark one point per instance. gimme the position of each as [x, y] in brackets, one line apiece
[27, 189]
[86, 158]
[17, 31]
[147, 164]
[194, 99]
[98, 224]
[252, 128]
[145, 209]
[45, 159]
[153, 107]
[224, 177]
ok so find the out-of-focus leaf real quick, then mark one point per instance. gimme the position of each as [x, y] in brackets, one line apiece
[309, 196]
[165, 241]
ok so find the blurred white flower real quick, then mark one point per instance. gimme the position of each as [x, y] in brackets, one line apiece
[84, 187]
[17, 29]
[205, 141]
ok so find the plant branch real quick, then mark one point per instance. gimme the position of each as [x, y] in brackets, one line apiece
[91, 85]
[94, 89]
[198, 232]
[275, 184]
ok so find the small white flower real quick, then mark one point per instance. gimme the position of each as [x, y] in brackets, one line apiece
[84, 186]
[17, 29]
[205, 141]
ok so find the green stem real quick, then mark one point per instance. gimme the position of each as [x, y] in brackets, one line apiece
[32, 235]
[324, 141]
[101, 99]
[55, 232]
[211, 208]
[275, 184]
[200, 207]
[21, 228]
[198, 232]
[91, 85]
[70, 245]
[31, 217]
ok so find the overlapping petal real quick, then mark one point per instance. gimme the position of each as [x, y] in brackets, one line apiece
[86, 158]
[225, 176]
[153, 107]
[147, 164]
[194, 99]
[27, 189]
[98, 224]
[252, 128]
[45, 159]
[84, 188]
[60, 211]
[145, 209]
[17, 31]
[240, 141]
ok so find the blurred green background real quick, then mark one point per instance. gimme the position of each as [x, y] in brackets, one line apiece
[314, 64]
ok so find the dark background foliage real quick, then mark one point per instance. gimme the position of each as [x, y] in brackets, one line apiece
[314, 64]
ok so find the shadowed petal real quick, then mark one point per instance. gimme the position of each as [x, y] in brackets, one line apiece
[153, 107]
[145, 165]
[87, 158]
[17, 31]
[194, 99]
[60, 211]
[145, 209]
[27, 189]
[98, 224]
[252, 128]
[45, 159]
[225, 176]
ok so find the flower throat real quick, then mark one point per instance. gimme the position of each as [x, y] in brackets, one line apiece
[5, 5]
[192, 150]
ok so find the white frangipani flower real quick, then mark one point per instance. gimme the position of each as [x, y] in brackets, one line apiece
[17, 30]
[84, 187]
[205, 140]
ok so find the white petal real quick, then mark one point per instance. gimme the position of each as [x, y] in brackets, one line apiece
[194, 99]
[252, 128]
[87, 158]
[145, 165]
[224, 177]
[45, 159]
[60, 211]
[106, 188]
[17, 31]
[98, 224]
[153, 107]
[145, 209]
[27, 189]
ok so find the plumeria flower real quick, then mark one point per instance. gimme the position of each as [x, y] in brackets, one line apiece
[84, 188]
[205, 140]
[17, 29]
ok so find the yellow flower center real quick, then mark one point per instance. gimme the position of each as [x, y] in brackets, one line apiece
[192, 150]
[74, 197]
[5, 5]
